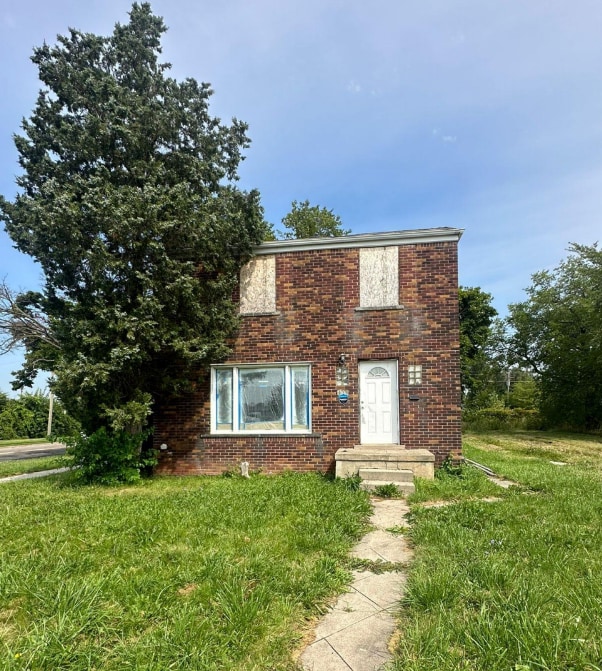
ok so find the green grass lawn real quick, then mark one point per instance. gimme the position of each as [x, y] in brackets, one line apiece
[20, 466]
[175, 573]
[22, 441]
[226, 573]
[513, 584]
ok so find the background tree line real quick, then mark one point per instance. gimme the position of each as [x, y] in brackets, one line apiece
[545, 357]
[27, 417]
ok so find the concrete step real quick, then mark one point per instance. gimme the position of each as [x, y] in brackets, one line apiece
[350, 460]
[403, 487]
[386, 475]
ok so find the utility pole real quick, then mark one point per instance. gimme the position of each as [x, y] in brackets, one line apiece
[50, 403]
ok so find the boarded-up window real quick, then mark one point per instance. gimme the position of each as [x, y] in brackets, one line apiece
[379, 277]
[258, 286]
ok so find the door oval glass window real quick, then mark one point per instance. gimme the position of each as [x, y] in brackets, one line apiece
[378, 371]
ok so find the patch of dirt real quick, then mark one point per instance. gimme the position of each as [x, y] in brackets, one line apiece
[188, 589]
[451, 502]
[8, 631]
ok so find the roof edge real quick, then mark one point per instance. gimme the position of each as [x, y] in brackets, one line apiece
[391, 238]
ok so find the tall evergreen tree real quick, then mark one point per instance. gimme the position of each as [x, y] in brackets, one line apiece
[128, 202]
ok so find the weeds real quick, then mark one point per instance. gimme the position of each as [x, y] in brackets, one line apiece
[387, 491]
[375, 566]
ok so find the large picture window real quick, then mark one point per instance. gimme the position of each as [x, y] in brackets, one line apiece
[260, 398]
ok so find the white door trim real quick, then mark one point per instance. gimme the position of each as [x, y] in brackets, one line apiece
[379, 402]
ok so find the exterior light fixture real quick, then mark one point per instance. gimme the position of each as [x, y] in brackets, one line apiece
[342, 379]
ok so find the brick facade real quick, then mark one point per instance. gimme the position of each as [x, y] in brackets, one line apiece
[317, 319]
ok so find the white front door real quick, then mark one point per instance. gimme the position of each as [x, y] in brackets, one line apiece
[379, 407]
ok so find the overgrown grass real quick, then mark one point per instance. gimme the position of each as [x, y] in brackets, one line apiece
[469, 483]
[182, 573]
[512, 584]
[20, 466]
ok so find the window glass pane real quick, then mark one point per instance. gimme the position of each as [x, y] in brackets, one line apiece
[300, 397]
[223, 389]
[415, 374]
[261, 399]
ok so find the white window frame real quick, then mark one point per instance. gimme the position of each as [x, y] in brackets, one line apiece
[288, 410]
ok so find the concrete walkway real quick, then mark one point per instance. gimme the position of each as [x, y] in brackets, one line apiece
[35, 474]
[354, 635]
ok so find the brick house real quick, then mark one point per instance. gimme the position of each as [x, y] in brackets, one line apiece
[347, 345]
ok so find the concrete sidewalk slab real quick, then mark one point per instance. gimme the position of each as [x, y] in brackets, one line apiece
[388, 514]
[382, 589]
[354, 635]
[383, 546]
[35, 474]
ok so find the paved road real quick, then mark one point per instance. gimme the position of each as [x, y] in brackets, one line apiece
[14, 452]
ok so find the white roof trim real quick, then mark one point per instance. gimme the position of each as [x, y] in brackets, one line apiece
[392, 238]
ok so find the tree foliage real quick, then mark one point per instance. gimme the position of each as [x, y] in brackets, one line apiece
[479, 347]
[557, 332]
[27, 417]
[128, 202]
[311, 221]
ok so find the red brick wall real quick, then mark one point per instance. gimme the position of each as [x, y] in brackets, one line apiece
[317, 294]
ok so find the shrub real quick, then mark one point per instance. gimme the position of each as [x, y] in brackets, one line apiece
[450, 468]
[110, 457]
[493, 419]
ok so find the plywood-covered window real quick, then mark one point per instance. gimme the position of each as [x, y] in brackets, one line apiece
[258, 286]
[379, 277]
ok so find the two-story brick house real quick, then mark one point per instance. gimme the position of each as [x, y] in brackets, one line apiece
[345, 344]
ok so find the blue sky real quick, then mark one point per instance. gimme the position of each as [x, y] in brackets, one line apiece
[477, 114]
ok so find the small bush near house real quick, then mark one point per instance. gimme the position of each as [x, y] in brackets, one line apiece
[109, 457]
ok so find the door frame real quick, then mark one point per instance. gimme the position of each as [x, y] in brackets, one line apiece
[363, 367]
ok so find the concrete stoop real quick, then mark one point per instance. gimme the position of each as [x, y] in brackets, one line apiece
[385, 464]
